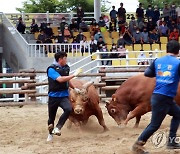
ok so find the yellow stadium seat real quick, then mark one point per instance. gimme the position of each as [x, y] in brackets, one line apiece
[55, 30]
[105, 34]
[163, 46]
[94, 57]
[146, 47]
[159, 54]
[115, 40]
[115, 35]
[129, 47]
[123, 62]
[131, 55]
[116, 62]
[155, 46]
[75, 33]
[163, 39]
[108, 40]
[179, 39]
[133, 62]
[36, 35]
[70, 54]
[163, 53]
[50, 55]
[87, 34]
[137, 47]
[109, 46]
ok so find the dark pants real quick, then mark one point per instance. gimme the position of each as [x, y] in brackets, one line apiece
[161, 106]
[53, 104]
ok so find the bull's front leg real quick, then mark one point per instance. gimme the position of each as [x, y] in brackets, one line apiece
[137, 112]
[100, 118]
[138, 118]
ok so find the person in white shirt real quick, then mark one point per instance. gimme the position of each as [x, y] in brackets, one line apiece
[142, 59]
[93, 44]
[84, 45]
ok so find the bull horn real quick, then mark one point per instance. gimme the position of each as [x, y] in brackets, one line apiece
[107, 102]
[77, 91]
[87, 84]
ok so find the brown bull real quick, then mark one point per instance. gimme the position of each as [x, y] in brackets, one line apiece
[132, 99]
[85, 102]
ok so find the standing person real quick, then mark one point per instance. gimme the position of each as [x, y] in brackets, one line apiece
[59, 82]
[113, 15]
[122, 12]
[139, 13]
[80, 15]
[167, 72]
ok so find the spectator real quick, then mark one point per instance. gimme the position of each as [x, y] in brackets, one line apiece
[159, 22]
[121, 41]
[137, 36]
[156, 14]
[150, 12]
[100, 43]
[178, 13]
[60, 37]
[122, 51]
[93, 26]
[98, 34]
[144, 36]
[43, 24]
[84, 45]
[34, 27]
[122, 12]
[104, 55]
[67, 32]
[73, 26]
[163, 29]
[80, 15]
[113, 15]
[166, 13]
[79, 37]
[41, 37]
[172, 25]
[154, 37]
[112, 25]
[142, 59]
[121, 25]
[93, 44]
[150, 61]
[151, 25]
[48, 31]
[128, 39]
[102, 24]
[106, 19]
[142, 24]
[62, 24]
[21, 26]
[174, 35]
[140, 13]
[173, 13]
[83, 26]
[133, 24]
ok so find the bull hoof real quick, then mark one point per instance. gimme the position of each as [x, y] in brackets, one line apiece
[135, 126]
[106, 129]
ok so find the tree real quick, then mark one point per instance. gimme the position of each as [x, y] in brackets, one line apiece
[55, 6]
[159, 3]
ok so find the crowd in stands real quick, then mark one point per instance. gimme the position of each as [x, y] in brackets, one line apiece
[146, 28]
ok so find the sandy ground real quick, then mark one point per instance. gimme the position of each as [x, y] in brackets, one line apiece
[24, 131]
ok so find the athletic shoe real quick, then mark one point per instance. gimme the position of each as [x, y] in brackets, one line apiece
[173, 146]
[50, 128]
[50, 137]
[56, 131]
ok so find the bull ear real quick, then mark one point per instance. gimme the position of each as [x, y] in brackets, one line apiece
[114, 98]
[87, 85]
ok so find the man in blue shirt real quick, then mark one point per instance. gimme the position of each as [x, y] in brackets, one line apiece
[167, 72]
[59, 82]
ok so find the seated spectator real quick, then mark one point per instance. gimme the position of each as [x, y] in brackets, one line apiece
[41, 37]
[137, 36]
[163, 29]
[150, 61]
[121, 25]
[43, 24]
[154, 37]
[106, 19]
[67, 32]
[172, 25]
[73, 26]
[98, 34]
[104, 55]
[101, 22]
[93, 25]
[122, 51]
[93, 44]
[95, 29]
[127, 37]
[112, 25]
[100, 43]
[120, 41]
[83, 26]
[142, 59]
[60, 37]
[113, 49]
[21, 26]
[62, 24]
[142, 24]
[159, 22]
[144, 36]
[133, 24]
[84, 45]
[48, 31]
[34, 27]
[151, 25]
[79, 37]
[156, 14]
[174, 35]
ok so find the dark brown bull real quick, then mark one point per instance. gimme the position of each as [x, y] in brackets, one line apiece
[85, 102]
[132, 99]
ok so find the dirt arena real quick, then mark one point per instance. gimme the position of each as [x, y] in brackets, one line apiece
[24, 131]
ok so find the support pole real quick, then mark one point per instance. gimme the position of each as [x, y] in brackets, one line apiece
[97, 9]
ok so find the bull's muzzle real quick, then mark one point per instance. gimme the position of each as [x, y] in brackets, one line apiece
[78, 110]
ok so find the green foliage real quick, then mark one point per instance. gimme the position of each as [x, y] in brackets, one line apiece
[55, 6]
[159, 3]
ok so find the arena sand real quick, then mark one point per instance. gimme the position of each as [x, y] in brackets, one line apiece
[24, 131]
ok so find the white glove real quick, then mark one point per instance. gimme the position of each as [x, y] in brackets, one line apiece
[77, 72]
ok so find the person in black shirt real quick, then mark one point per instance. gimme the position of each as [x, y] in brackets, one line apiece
[139, 13]
[34, 27]
[122, 12]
